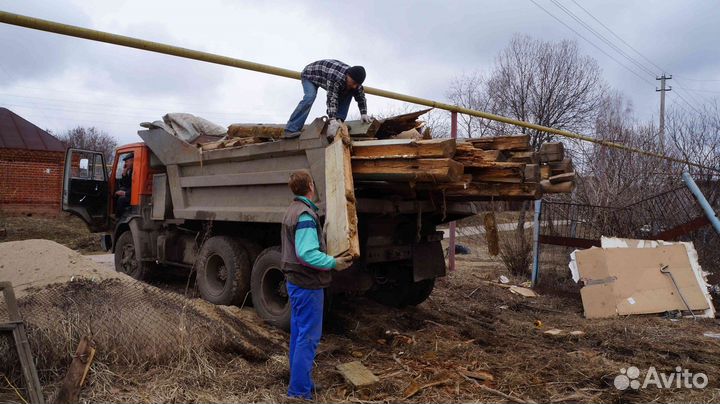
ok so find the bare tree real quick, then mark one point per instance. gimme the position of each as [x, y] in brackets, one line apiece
[469, 91]
[90, 138]
[614, 177]
[546, 83]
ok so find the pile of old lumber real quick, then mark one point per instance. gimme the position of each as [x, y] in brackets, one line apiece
[503, 167]
[241, 134]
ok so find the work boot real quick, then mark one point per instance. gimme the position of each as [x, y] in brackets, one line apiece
[291, 135]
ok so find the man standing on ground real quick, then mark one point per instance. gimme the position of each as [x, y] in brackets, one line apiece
[341, 82]
[308, 271]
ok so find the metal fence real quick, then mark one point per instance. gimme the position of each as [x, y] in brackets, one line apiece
[670, 215]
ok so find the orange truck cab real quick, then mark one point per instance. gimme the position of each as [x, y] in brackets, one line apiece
[89, 190]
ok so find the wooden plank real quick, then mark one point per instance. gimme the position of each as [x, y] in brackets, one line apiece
[561, 167]
[569, 241]
[232, 142]
[545, 172]
[463, 183]
[357, 374]
[341, 213]
[403, 170]
[22, 345]
[69, 392]
[517, 142]
[556, 179]
[393, 125]
[481, 167]
[483, 191]
[551, 152]
[403, 148]
[499, 174]
[560, 188]
[531, 173]
[261, 130]
[528, 157]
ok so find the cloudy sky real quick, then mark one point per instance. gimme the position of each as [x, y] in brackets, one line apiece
[412, 47]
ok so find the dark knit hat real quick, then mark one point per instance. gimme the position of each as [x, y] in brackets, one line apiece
[357, 73]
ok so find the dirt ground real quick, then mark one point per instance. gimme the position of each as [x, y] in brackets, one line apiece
[470, 341]
[67, 230]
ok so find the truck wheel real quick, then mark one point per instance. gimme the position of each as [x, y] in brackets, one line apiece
[269, 289]
[418, 292]
[127, 262]
[394, 289]
[223, 267]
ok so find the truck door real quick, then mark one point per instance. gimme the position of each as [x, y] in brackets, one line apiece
[85, 188]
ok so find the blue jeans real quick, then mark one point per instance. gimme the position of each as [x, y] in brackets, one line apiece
[299, 116]
[305, 331]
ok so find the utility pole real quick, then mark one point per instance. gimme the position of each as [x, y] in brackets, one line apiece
[662, 90]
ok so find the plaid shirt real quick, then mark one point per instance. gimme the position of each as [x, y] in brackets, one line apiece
[329, 74]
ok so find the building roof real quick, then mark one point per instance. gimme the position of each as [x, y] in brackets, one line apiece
[18, 133]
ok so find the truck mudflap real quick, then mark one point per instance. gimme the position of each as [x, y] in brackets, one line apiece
[428, 260]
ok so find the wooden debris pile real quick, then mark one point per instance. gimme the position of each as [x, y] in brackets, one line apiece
[241, 134]
[502, 167]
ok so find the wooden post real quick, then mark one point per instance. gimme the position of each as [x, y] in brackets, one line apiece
[77, 372]
[21, 344]
[536, 242]
[451, 244]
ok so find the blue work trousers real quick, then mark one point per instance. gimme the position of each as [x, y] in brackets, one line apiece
[305, 332]
[299, 116]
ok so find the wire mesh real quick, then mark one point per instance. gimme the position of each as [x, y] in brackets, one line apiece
[132, 324]
[661, 216]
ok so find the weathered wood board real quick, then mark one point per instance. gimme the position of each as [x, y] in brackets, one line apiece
[357, 374]
[403, 148]
[341, 214]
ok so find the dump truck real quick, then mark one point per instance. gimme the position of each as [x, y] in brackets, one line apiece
[219, 212]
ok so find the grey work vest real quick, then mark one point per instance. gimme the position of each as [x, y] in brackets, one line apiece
[298, 274]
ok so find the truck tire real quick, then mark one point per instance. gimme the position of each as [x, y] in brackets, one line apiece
[223, 269]
[126, 260]
[269, 289]
[396, 287]
[418, 292]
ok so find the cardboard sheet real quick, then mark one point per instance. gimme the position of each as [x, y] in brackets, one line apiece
[621, 280]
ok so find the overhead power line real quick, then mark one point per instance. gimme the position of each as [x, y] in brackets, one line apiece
[618, 37]
[602, 37]
[592, 43]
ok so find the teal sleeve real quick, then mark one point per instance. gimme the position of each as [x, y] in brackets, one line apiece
[307, 245]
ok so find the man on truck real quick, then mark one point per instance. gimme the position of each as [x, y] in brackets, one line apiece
[308, 271]
[124, 186]
[341, 82]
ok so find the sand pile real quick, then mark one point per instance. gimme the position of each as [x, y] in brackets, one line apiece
[33, 264]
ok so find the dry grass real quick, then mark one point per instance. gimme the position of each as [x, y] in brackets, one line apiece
[516, 252]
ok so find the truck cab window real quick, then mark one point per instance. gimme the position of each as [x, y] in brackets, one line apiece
[123, 182]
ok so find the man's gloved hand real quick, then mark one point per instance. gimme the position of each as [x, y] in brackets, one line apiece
[333, 127]
[343, 262]
[365, 118]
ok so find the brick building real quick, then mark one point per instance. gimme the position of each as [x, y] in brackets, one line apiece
[31, 168]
